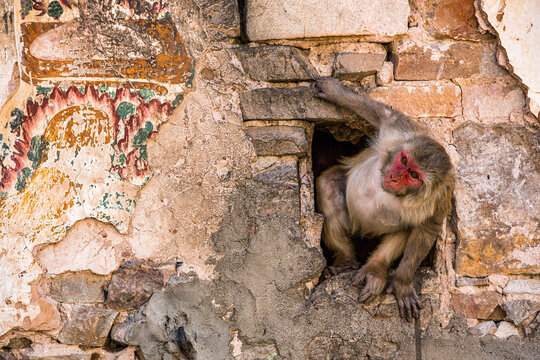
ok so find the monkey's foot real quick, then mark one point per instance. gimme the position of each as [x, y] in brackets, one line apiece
[408, 302]
[374, 282]
[334, 270]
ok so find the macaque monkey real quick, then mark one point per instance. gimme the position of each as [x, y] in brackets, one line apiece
[399, 189]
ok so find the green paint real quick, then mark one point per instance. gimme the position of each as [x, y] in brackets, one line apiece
[141, 137]
[3, 195]
[125, 110]
[178, 99]
[17, 116]
[82, 89]
[26, 7]
[6, 22]
[168, 16]
[189, 82]
[37, 150]
[103, 88]
[22, 177]
[55, 10]
[147, 94]
[44, 90]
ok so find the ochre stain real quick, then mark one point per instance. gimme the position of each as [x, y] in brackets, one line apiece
[79, 126]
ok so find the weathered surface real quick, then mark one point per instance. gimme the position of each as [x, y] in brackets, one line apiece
[130, 288]
[491, 100]
[279, 140]
[487, 327]
[356, 66]
[87, 325]
[438, 60]
[478, 306]
[469, 281]
[316, 18]
[497, 199]
[514, 23]
[275, 63]
[8, 68]
[449, 18]
[519, 310]
[523, 286]
[78, 287]
[386, 75]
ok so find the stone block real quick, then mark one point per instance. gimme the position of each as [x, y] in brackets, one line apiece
[506, 329]
[416, 99]
[486, 327]
[355, 66]
[449, 18]
[222, 18]
[477, 306]
[437, 60]
[497, 200]
[278, 140]
[519, 310]
[290, 104]
[522, 286]
[130, 288]
[470, 281]
[321, 348]
[83, 287]
[275, 63]
[291, 19]
[491, 100]
[87, 326]
[282, 173]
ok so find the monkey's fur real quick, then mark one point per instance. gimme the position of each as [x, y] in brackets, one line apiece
[399, 189]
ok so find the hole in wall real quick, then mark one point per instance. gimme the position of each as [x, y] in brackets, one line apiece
[330, 145]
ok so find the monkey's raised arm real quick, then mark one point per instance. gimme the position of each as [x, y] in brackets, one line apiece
[374, 112]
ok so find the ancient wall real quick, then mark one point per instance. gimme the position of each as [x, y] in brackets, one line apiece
[157, 177]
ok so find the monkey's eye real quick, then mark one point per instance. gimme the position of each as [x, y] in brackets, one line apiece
[404, 160]
[414, 174]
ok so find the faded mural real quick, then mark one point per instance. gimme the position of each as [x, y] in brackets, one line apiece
[74, 143]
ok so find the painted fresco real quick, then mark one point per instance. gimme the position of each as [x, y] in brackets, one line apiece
[73, 137]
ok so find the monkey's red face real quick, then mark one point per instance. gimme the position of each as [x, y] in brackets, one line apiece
[404, 174]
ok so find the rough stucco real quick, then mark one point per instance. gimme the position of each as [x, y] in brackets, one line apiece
[515, 23]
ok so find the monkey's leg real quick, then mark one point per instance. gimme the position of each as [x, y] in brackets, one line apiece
[418, 245]
[331, 203]
[374, 273]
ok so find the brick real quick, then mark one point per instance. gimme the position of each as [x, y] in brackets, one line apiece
[130, 288]
[449, 18]
[82, 287]
[477, 306]
[491, 100]
[87, 325]
[356, 66]
[385, 75]
[440, 98]
[278, 140]
[497, 200]
[275, 63]
[289, 19]
[437, 60]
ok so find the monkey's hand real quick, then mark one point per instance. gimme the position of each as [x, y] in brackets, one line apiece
[374, 282]
[331, 89]
[408, 302]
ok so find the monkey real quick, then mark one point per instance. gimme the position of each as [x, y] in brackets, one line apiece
[399, 189]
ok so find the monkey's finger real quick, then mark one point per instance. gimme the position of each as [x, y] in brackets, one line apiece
[365, 295]
[417, 300]
[321, 95]
[359, 278]
[414, 309]
[408, 308]
[401, 309]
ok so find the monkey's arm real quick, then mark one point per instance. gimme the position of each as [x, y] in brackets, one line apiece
[331, 203]
[372, 111]
[376, 113]
[419, 244]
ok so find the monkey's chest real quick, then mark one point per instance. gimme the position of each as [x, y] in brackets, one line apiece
[371, 209]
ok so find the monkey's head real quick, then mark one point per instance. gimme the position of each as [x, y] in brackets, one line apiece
[418, 166]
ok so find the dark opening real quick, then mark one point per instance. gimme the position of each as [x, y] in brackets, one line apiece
[327, 151]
